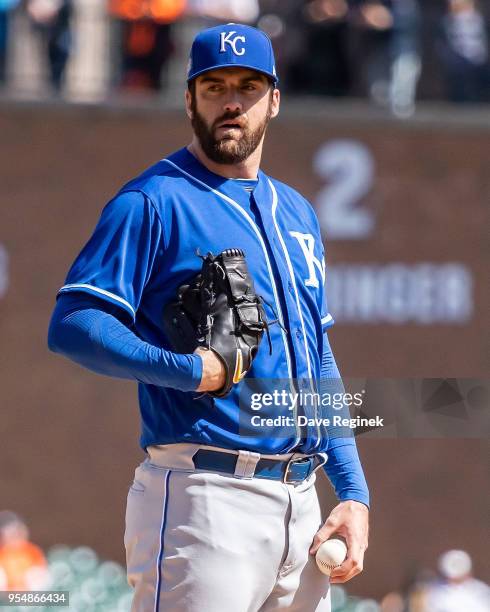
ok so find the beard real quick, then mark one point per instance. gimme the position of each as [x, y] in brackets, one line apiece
[227, 150]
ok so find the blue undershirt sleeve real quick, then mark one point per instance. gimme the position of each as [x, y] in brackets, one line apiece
[343, 467]
[92, 332]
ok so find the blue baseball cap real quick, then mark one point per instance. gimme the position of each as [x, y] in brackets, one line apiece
[232, 45]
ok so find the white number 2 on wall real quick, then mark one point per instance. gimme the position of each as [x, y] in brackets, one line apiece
[3, 271]
[347, 167]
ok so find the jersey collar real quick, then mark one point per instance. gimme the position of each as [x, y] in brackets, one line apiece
[230, 187]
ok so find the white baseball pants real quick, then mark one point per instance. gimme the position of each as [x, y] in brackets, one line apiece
[199, 541]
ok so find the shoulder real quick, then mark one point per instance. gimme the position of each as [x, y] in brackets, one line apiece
[128, 201]
[152, 182]
[129, 211]
[478, 586]
[286, 193]
[162, 178]
[35, 553]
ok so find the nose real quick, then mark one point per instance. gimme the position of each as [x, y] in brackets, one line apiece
[233, 104]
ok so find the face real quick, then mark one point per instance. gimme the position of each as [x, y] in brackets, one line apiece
[457, 6]
[229, 110]
[13, 533]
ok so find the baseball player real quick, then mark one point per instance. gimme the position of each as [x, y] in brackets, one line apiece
[223, 513]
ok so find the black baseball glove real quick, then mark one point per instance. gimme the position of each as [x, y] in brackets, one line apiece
[219, 310]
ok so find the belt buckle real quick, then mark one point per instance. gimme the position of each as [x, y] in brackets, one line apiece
[285, 478]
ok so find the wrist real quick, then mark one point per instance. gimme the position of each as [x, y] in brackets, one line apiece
[179, 370]
[213, 370]
[197, 370]
[354, 503]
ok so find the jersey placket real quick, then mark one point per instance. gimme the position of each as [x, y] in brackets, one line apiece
[299, 340]
[286, 289]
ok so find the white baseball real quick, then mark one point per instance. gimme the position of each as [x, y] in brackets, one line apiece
[330, 555]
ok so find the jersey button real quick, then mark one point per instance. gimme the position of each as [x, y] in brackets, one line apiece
[299, 333]
[290, 286]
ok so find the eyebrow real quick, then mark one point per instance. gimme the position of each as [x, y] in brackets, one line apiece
[210, 79]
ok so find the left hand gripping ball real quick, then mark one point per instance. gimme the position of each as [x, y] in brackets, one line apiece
[330, 555]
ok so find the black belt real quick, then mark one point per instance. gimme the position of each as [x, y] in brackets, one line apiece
[289, 471]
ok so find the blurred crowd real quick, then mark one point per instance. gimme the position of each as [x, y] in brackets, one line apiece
[452, 588]
[392, 51]
[381, 49]
[23, 566]
[91, 585]
[96, 586]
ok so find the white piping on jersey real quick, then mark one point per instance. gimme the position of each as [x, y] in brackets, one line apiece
[102, 292]
[291, 274]
[296, 294]
[326, 319]
[262, 243]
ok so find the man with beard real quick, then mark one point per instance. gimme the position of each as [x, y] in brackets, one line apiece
[221, 516]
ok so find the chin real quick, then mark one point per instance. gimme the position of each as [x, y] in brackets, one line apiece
[228, 146]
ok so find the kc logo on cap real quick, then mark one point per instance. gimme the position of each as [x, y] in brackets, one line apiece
[231, 45]
[226, 39]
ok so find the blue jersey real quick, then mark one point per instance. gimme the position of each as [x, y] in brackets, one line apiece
[144, 247]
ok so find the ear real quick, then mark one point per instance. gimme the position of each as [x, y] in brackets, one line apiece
[276, 102]
[188, 100]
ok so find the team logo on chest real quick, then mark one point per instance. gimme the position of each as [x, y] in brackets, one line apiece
[307, 244]
[226, 39]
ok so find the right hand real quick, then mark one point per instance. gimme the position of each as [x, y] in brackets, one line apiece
[213, 370]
